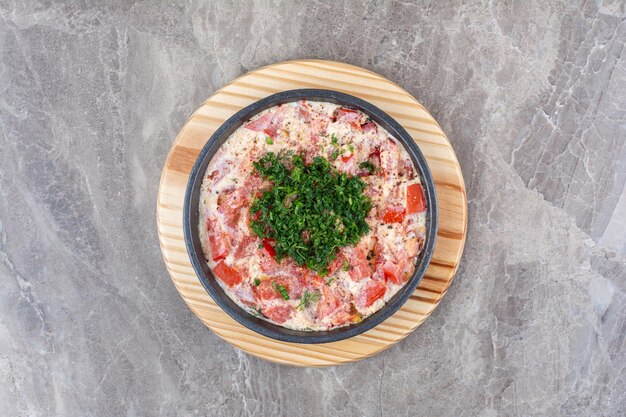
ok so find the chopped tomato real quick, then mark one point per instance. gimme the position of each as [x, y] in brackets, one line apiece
[266, 290]
[262, 123]
[217, 240]
[407, 169]
[389, 157]
[372, 292]
[415, 199]
[268, 264]
[395, 272]
[228, 275]
[304, 110]
[328, 303]
[230, 203]
[347, 115]
[343, 317]
[393, 214]
[359, 266]
[337, 263]
[279, 314]
[245, 247]
[375, 155]
[269, 122]
[268, 245]
[369, 126]
[347, 156]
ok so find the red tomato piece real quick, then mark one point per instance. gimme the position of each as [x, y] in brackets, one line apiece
[375, 155]
[369, 126]
[372, 292]
[217, 240]
[268, 264]
[347, 115]
[228, 275]
[262, 123]
[328, 303]
[337, 263]
[393, 214]
[304, 110]
[268, 245]
[359, 266]
[230, 203]
[342, 317]
[266, 290]
[389, 157]
[415, 199]
[279, 314]
[394, 272]
[268, 123]
[245, 247]
[347, 157]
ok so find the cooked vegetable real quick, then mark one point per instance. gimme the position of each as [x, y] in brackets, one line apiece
[393, 214]
[415, 199]
[229, 275]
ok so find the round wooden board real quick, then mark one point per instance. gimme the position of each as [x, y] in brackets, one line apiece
[348, 79]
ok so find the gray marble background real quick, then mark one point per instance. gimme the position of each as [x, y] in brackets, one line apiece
[533, 97]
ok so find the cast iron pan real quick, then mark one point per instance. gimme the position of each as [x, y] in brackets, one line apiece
[191, 215]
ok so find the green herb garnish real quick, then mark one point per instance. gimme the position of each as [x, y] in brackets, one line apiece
[368, 166]
[333, 140]
[307, 298]
[256, 312]
[351, 147]
[269, 140]
[346, 265]
[281, 290]
[257, 282]
[330, 281]
[309, 210]
[334, 155]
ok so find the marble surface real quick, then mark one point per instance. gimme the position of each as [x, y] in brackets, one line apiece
[533, 97]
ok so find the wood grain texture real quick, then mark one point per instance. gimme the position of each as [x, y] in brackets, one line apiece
[348, 79]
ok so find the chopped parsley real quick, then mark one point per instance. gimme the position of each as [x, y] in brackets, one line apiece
[282, 290]
[256, 312]
[346, 265]
[368, 166]
[351, 147]
[334, 155]
[307, 298]
[333, 140]
[257, 282]
[310, 211]
[269, 140]
[330, 281]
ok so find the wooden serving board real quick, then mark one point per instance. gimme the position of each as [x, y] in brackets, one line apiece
[348, 79]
